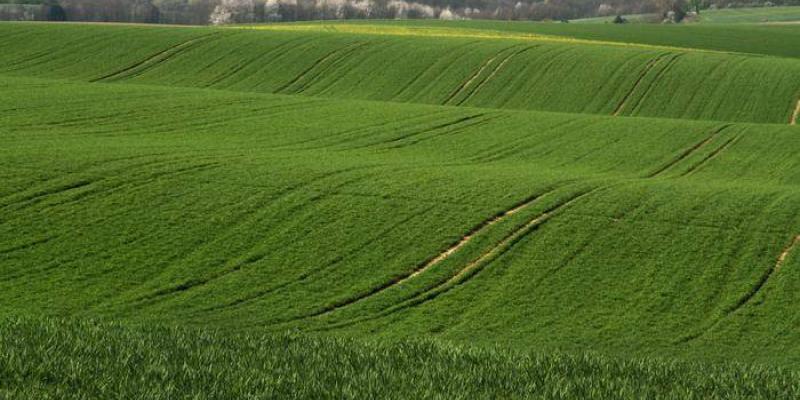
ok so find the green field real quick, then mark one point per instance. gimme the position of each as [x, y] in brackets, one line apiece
[488, 205]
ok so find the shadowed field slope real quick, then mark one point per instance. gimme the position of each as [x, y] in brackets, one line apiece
[504, 73]
[534, 229]
[44, 359]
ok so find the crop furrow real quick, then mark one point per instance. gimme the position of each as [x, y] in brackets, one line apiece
[25, 246]
[464, 85]
[158, 58]
[730, 142]
[491, 75]
[332, 55]
[750, 295]
[512, 147]
[252, 258]
[655, 82]
[445, 59]
[688, 152]
[336, 261]
[479, 120]
[446, 125]
[279, 49]
[466, 271]
[461, 276]
[652, 63]
[323, 72]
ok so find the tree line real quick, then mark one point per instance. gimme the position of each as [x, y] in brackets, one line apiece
[198, 12]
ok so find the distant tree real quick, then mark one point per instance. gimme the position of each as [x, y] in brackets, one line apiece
[619, 19]
[230, 11]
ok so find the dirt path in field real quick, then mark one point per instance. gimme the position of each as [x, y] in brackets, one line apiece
[796, 114]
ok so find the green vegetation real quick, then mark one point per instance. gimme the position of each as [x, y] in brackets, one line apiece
[352, 186]
[774, 40]
[60, 359]
[445, 70]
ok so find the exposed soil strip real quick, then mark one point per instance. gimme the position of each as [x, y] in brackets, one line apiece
[688, 152]
[712, 155]
[752, 293]
[650, 64]
[788, 249]
[155, 59]
[796, 114]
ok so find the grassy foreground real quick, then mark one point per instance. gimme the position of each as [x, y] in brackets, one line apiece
[65, 359]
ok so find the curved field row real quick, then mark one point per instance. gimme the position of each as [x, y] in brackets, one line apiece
[239, 210]
[504, 74]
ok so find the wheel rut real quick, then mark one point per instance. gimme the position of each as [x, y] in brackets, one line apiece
[688, 152]
[466, 272]
[494, 72]
[750, 295]
[156, 59]
[648, 67]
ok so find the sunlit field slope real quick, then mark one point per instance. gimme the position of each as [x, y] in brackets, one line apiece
[544, 195]
[267, 211]
[420, 67]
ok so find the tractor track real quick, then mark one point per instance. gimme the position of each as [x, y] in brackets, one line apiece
[751, 294]
[648, 67]
[688, 152]
[156, 59]
[466, 272]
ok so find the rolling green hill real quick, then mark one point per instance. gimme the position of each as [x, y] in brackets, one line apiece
[538, 73]
[537, 194]
[767, 39]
